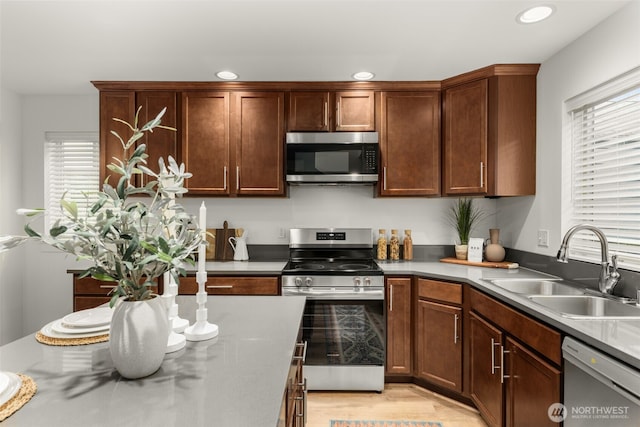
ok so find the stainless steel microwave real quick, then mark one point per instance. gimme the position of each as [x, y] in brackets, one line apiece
[336, 157]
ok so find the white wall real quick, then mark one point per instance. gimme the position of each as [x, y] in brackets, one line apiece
[10, 195]
[604, 52]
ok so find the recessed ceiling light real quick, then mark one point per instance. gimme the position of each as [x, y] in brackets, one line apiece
[363, 75]
[226, 75]
[535, 14]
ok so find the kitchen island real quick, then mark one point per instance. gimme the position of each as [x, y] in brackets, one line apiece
[236, 379]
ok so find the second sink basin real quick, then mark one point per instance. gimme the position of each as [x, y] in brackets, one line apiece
[537, 287]
[587, 307]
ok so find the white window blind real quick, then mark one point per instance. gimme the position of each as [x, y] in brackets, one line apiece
[72, 167]
[605, 139]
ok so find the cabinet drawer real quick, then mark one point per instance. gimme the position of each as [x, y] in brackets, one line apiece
[82, 303]
[545, 340]
[441, 291]
[232, 286]
[90, 286]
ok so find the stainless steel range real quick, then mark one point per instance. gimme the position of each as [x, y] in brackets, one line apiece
[344, 323]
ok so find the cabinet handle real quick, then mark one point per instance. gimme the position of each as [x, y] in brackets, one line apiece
[237, 178]
[302, 357]
[390, 298]
[455, 329]
[224, 179]
[384, 177]
[108, 286]
[219, 286]
[303, 399]
[481, 174]
[338, 114]
[502, 374]
[326, 114]
[493, 356]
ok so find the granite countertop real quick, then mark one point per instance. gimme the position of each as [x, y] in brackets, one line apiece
[619, 338]
[236, 379]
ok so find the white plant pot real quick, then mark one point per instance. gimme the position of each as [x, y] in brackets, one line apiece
[138, 337]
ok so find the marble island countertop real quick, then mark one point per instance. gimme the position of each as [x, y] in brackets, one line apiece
[236, 379]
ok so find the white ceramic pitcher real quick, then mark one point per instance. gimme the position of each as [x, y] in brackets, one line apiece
[239, 245]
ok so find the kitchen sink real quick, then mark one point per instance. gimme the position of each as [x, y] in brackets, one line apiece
[537, 287]
[587, 307]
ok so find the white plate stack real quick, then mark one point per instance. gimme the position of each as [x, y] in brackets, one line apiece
[10, 384]
[81, 324]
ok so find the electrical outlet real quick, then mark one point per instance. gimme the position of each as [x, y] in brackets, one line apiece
[283, 233]
[543, 238]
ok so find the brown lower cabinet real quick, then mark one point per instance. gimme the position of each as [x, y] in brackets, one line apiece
[90, 293]
[398, 299]
[439, 344]
[474, 348]
[294, 402]
[515, 365]
[232, 285]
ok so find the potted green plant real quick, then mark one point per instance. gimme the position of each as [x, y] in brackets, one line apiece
[463, 217]
[131, 241]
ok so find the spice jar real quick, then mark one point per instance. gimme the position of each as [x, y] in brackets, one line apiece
[408, 245]
[394, 246]
[382, 244]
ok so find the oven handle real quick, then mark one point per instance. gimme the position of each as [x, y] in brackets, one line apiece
[312, 294]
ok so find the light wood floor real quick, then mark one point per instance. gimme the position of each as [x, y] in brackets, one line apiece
[396, 402]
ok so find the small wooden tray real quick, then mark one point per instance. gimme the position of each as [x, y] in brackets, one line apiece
[501, 264]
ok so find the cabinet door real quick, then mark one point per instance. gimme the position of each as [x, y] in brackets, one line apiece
[410, 144]
[205, 141]
[355, 111]
[398, 326]
[161, 142]
[439, 344]
[533, 385]
[259, 143]
[119, 105]
[486, 389]
[465, 138]
[308, 111]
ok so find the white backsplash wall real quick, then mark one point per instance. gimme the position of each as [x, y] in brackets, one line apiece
[337, 206]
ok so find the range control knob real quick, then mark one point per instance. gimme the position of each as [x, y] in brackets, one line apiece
[367, 281]
[298, 281]
[357, 282]
[308, 281]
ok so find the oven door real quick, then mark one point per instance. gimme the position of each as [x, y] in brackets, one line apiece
[344, 332]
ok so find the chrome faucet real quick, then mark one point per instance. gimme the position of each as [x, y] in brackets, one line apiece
[609, 275]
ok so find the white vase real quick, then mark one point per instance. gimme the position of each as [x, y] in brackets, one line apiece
[138, 337]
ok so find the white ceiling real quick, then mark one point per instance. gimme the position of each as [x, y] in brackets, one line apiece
[58, 47]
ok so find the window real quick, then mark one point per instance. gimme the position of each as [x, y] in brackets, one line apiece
[605, 173]
[71, 165]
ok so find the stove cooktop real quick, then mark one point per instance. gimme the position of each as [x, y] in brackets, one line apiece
[332, 266]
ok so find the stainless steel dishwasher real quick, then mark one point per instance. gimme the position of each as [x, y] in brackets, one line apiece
[598, 389]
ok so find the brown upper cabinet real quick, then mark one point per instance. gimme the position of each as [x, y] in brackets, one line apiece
[206, 149]
[410, 144]
[123, 105]
[258, 135]
[233, 142]
[324, 111]
[490, 132]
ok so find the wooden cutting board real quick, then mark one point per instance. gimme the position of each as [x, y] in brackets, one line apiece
[224, 251]
[501, 264]
[211, 240]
